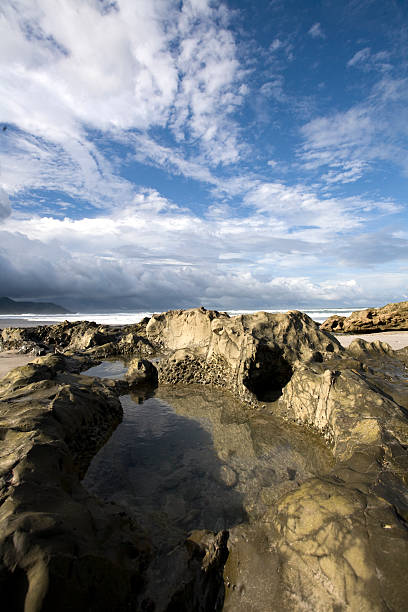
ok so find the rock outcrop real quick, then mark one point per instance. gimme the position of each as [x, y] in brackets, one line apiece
[141, 372]
[77, 337]
[251, 355]
[61, 548]
[388, 318]
[338, 541]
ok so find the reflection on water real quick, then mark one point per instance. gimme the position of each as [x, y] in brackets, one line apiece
[191, 458]
[108, 369]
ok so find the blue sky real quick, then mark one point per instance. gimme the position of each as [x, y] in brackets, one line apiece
[159, 153]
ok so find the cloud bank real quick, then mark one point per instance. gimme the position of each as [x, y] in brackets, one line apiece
[154, 254]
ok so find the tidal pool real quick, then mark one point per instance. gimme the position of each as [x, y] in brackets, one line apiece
[192, 457]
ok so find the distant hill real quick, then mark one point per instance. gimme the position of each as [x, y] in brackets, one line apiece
[8, 306]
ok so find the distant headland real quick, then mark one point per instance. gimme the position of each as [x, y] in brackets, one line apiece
[9, 306]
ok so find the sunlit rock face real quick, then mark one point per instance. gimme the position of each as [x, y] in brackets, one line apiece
[388, 318]
[338, 540]
[251, 355]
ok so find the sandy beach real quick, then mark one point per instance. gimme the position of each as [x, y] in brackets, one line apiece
[11, 359]
[396, 339]
[4, 323]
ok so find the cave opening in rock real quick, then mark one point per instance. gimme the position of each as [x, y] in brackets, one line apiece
[267, 373]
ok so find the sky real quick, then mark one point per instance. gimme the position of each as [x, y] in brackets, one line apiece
[237, 154]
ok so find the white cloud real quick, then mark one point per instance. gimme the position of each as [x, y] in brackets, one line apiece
[360, 57]
[207, 93]
[351, 142]
[153, 254]
[72, 66]
[76, 168]
[316, 31]
[366, 60]
[347, 172]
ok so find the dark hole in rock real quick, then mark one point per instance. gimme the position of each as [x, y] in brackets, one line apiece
[13, 588]
[267, 374]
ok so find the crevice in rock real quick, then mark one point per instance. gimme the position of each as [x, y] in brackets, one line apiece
[14, 587]
[267, 373]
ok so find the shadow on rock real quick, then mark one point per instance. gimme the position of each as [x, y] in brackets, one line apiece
[164, 469]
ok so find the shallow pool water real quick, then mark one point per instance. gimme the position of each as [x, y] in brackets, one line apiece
[188, 458]
[114, 369]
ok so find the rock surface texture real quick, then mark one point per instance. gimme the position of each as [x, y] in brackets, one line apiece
[392, 317]
[60, 547]
[338, 541]
[251, 355]
[77, 337]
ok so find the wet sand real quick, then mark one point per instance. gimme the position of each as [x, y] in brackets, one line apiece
[22, 323]
[396, 339]
[11, 359]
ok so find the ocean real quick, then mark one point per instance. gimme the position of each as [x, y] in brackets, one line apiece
[125, 318]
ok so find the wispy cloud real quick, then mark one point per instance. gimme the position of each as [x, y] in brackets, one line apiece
[70, 68]
[75, 167]
[366, 60]
[316, 31]
[351, 142]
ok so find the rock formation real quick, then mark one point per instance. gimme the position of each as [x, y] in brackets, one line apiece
[77, 337]
[339, 541]
[60, 547]
[388, 318]
[251, 355]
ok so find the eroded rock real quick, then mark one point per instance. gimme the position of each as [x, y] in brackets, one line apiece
[60, 547]
[251, 355]
[321, 538]
[388, 318]
[336, 541]
[141, 372]
[78, 337]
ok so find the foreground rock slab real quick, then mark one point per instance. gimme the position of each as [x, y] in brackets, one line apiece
[340, 541]
[61, 548]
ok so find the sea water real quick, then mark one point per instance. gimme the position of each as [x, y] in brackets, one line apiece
[125, 318]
